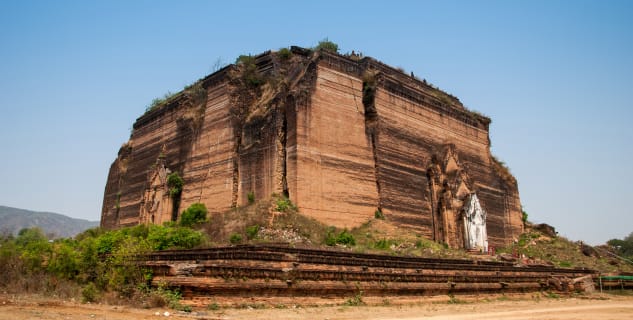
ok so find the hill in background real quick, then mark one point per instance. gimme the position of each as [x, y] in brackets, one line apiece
[55, 225]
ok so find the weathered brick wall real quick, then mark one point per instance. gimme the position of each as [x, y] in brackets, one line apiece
[156, 135]
[208, 173]
[334, 179]
[410, 135]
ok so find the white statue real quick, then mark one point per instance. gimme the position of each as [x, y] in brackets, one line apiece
[475, 235]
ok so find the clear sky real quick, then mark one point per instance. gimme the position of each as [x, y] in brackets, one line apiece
[556, 77]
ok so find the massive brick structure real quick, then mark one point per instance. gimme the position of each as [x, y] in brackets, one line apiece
[341, 136]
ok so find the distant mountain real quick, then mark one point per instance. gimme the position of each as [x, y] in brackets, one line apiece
[12, 220]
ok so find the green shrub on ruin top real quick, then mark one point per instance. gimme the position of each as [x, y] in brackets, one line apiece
[195, 214]
[284, 53]
[248, 69]
[245, 60]
[327, 45]
[157, 102]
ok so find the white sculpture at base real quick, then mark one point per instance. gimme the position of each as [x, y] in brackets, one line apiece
[475, 235]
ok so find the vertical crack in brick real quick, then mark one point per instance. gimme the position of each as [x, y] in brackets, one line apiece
[283, 134]
[371, 124]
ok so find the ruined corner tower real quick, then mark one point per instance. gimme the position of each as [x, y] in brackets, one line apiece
[340, 135]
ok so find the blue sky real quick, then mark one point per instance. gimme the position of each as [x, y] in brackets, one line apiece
[556, 78]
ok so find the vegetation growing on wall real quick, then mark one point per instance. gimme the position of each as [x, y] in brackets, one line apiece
[327, 45]
[524, 216]
[251, 197]
[157, 102]
[175, 184]
[284, 204]
[503, 170]
[251, 231]
[248, 69]
[284, 54]
[196, 95]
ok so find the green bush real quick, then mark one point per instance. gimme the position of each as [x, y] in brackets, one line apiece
[283, 204]
[251, 232]
[96, 260]
[196, 213]
[248, 67]
[379, 215]
[344, 238]
[623, 247]
[161, 238]
[330, 238]
[89, 293]
[284, 53]
[382, 244]
[34, 248]
[245, 60]
[235, 238]
[175, 184]
[524, 216]
[65, 259]
[157, 102]
[251, 197]
[327, 45]
[356, 300]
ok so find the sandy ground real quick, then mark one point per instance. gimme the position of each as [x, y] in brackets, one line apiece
[586, 307]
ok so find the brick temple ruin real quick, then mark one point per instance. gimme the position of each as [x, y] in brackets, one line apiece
[340, 135]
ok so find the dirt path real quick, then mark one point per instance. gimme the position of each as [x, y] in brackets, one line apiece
[595, 307]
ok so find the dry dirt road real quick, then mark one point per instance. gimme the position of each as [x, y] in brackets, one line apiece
[594, 307]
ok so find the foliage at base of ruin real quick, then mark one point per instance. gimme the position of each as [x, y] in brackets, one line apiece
[195, 214]
[95, 266]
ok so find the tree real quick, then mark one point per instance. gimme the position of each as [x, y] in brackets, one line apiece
[196, 213]
[623, 247]
[34, 246]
